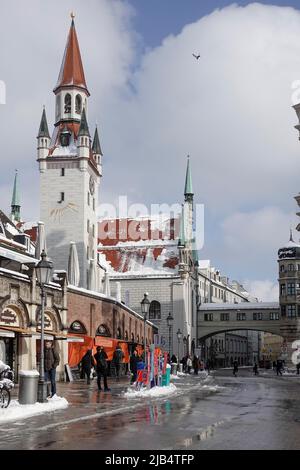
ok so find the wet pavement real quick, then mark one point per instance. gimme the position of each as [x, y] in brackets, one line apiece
[220, 412]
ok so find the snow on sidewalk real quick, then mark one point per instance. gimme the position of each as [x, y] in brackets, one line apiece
[151, 393]
[15, 411]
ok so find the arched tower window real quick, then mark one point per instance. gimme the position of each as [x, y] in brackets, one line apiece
[155, 310]
[103, 330]
[78, 104]
[68, 103]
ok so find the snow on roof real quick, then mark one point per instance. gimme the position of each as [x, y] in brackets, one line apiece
[204, 263]
[144, 245]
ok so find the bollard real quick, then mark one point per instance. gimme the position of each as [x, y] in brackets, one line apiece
[28, 387]
[180, 368]
[174, 368]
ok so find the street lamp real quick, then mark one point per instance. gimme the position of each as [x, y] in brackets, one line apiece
[179, 336]
[43, 274]
[145, 303]
[169, 323]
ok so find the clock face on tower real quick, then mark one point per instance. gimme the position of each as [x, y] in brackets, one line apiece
[92, 185]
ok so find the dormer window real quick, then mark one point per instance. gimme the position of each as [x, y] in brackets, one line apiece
[67, 103]
[78, 104]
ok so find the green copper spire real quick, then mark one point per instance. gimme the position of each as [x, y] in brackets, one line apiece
[43, 130]
[96, 144]
[188, 189]
[15, 202]
[84, 128]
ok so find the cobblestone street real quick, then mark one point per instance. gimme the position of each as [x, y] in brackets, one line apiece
[221, 412]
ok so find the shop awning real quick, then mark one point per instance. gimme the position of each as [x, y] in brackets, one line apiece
[16, 329]
[7, 334]
[75, 339]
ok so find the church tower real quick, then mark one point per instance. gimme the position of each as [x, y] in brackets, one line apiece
[70, 168]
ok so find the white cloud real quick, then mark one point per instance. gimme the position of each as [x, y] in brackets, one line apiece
[265, 291]
[231, 111]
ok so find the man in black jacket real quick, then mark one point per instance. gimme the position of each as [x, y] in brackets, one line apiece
[134, 359]
[118, 358]
[101, 367]
[87, 363]
[51, 361]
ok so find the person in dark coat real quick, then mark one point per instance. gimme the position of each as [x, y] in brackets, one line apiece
[51, 361]
[235, 367]
[255, 369]
[87, 363]
[279, 367]
[196, 365]
[101, 367]
[174, 359]
[118, 358]
[134, 359]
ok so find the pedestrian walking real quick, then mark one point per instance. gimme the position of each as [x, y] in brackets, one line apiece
[134, 359]
[196, 365]
[174, 359]
[87, 363]
[189, 364]
[255, 369]
[183, 362]
[101, 367]
[118, 358]
[279, 367]
[51, 361]
[208, 366]
[235, 367]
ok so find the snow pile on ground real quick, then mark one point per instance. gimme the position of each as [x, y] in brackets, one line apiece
[154, 392]
[15, 411]
[174, 377]
[212, 388]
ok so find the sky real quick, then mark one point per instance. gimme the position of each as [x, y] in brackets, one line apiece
[154, 104]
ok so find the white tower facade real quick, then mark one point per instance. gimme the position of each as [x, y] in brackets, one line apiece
[70, 169]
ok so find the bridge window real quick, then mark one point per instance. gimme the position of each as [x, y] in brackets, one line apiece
[283, 310]
[282, 268]
[282, 289]
[241, 316]
[291, 311]
[224, 316]
[257, 316]
[291, 267]
[208, 317]
[291, 289]
[274, 316]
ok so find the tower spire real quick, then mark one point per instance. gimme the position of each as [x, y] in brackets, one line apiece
[96, 144]
[84, 128]
[43, 130]
[71, 71]
[188, 189]
[15, 201]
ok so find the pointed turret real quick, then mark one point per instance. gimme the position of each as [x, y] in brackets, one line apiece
[96, 144]
[43, 138]
[84, 128]
[97, 152]
[181, 241]
[71, 71]
[188, 189]
[43, 130]
[15, 201]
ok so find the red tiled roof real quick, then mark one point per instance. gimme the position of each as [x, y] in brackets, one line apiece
[71, 72]
[131, 245]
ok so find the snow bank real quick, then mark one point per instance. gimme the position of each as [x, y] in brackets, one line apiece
[212, 388]
[174, 377]
[15, 411]
[151, 393]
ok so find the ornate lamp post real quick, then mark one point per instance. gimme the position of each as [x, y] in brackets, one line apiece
[43, 274]
[145, 304]
[179, 336]
[169, 323]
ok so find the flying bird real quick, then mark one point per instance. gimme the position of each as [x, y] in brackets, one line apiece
[197, 56]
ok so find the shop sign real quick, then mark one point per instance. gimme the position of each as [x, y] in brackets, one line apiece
[48, 323]
[9, 318]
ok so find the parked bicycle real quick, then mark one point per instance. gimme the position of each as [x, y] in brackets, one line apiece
[6, 384]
